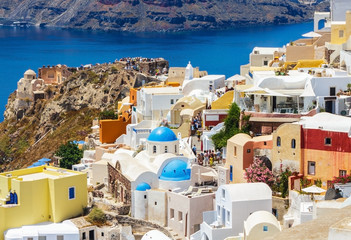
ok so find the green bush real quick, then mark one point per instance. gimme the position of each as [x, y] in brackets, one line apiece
[70, 154]
[108, 114]
[96, 217]
[231, 127]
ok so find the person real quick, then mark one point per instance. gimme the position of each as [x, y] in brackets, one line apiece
[206, 157]
[198, 135]
[194, 149]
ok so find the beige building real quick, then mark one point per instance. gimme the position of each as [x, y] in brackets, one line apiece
[54, 74]
[307, 48]
[241, 150]
[184, 109]
[185, 218]
[177, 74]
[286, 150]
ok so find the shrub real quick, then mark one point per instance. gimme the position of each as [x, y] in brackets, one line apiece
[96, 217]
[108, 114]
[70, 154]
[259, 172]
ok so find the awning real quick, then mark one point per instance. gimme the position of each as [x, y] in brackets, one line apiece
[273, 119]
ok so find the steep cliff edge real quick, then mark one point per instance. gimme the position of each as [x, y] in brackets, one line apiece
[67, 112]
[158, 15]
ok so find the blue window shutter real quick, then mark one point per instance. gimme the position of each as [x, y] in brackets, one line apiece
[71, 193]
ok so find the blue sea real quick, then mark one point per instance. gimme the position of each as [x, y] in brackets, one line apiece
[218, 52]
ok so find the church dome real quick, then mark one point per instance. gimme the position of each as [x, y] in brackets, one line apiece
[176, 170]
[143, 186]
[30, 72]
[162, 134]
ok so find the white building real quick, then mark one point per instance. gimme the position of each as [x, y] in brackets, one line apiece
[203, 88]
[155, 103]
[46, 230]
[234, 204]
[261, 224]
[298, 92]
[155, 234]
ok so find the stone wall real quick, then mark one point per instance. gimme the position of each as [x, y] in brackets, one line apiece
[119, 185]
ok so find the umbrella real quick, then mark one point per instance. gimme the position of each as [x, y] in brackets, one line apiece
[313, 189]
[95, 127]
[209, 174]
[311, 35]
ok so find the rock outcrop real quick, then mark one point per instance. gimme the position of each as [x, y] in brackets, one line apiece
[157, 15]
[68, 113]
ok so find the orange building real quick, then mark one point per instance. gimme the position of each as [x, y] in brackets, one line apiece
[111, 129]
[54, 75]
[326, 147]
[241, 150]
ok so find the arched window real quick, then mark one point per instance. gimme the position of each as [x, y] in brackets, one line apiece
[278, 141]
[166, 149]
[293, 143]
[154, 149]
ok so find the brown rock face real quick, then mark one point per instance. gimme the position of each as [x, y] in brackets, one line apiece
[156, 15]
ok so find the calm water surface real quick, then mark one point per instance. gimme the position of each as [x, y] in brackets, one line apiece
[218, 52]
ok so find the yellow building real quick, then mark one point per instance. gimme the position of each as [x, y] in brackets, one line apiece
[40, 194]
[341, 30]
[286, 150]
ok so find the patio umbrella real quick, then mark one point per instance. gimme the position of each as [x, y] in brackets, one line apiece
[95, 127]
[314, 190]
[311, 35]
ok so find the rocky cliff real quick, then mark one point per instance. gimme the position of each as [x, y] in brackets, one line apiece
[67, 111]
[157, 15]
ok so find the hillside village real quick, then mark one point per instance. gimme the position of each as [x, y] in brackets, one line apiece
[177, 153]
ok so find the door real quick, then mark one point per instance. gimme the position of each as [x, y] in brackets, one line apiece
[91, 235]
[329, 106]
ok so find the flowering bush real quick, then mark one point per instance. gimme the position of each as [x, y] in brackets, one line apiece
[342, 179]
[258, 172]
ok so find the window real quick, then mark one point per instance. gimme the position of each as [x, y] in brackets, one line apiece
[71, 193]
[293, 143]
[265, 63]
[172, 101]
[234, 151]
[218, 210]
[154, 149]
[196, 227]
[42, 238]
[155, 203]
[248, 150]
[278, 141]
[180, 216]
[311, 168]
[228, 216]
[166, 150]
[231, 173]
[332, 91]
[327, 141]
[102, 234]
[342, 173]
[60, 237]
[265, 143]
[175, 149]
[145, 196]
[275, 212]
[223, 193]
[265, 228]
[172, 213]
[84, 236]
[341, 33]
[30, 238]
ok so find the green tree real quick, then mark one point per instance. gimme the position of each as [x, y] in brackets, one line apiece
[231, 127]
[97, 217]
[108, 114]
[70, 154]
